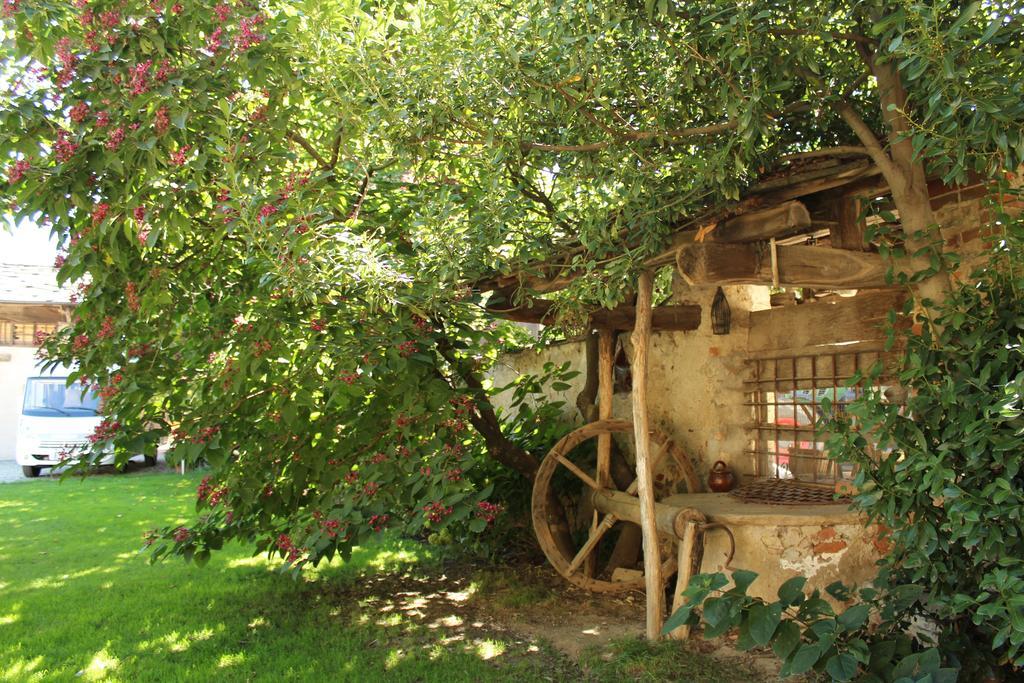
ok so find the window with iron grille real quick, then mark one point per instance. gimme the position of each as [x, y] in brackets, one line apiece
[785, 396]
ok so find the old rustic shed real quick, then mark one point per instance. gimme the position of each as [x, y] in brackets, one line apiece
[749, 398]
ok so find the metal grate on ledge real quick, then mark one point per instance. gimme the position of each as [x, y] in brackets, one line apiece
[787, 492]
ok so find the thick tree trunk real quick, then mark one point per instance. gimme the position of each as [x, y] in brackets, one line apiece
[907, 179]
[485, 421]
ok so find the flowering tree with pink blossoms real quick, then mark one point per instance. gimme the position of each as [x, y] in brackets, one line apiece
[272, 209]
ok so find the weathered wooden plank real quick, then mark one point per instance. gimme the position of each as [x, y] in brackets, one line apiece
[823, 323]
[678, 317]
[798, 266]
[785, 219]
[644, 470]
[560, 274]
[848, 232]
[687, 548]
[39, 314]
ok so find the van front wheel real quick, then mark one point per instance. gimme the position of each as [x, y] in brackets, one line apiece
[31, 471]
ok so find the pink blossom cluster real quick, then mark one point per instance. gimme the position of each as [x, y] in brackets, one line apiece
[114, 139]
[179, 157]
[436, 511]
[488, 511]
[8, 8]
[210, 493]
[105, 430]
[107, 328]
[63, 148]
[248, 35]
[112, 389]
[422, 325]
[181, 534]
[100, 213]
[461, 404]
[285, 545]
[406, 348]
[79, 112]
[261, 347]
[370, 489]
[131, 293]
[161, 120]
[17, 170]
[68, 60]
[378, 522]
[138, 77]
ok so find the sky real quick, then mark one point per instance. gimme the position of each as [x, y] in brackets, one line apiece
[26, 244]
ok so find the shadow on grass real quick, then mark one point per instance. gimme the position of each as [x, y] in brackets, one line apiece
[77, 600]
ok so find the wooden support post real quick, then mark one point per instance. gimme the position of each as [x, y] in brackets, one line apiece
[644, 475]
[605, 380]
[687, 548]
[849, 230]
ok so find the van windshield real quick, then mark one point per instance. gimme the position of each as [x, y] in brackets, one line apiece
[49, 397]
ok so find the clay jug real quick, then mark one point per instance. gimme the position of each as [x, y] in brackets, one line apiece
[721, 478]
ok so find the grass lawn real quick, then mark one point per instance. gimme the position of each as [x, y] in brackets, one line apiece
[77, 602]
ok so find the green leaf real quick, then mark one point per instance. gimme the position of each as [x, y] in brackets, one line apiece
[787, 637]
[792, 591]
[742, 578]
[804, 658]
[680, 617]
[764, 619]
[854, 617]
[841, 667]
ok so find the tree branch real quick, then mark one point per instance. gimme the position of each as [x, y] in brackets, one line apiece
[625, 136]
[302, 142]
[364, 188]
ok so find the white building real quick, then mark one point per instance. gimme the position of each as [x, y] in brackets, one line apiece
[30, 302]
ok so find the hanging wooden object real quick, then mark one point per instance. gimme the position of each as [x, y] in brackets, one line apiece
[644, 474]
[721, 314]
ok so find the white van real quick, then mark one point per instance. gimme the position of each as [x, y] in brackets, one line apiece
[55, 418]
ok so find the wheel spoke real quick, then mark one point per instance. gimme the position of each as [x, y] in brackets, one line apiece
[595, 536]
[584, 477]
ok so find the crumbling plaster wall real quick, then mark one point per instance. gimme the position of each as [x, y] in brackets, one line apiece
[823, 553]
[695, 380]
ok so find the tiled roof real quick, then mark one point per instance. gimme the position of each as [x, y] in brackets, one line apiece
[25, 284]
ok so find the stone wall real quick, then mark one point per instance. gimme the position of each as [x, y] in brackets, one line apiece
[695, 379]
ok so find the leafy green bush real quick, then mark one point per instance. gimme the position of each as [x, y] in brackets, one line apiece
[949, 484]
[866, 640]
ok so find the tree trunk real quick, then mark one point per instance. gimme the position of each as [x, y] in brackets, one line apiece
[484, 419]
[907, 180]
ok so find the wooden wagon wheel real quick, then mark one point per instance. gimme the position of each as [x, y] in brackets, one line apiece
[549, 525]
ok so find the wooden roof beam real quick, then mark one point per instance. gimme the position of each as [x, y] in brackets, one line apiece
[775, 221]
[797, 266]
[677, 318]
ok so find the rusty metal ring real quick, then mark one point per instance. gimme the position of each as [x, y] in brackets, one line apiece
[732, 539]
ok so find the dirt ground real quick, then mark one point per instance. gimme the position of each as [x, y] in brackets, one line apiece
[533, 609]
